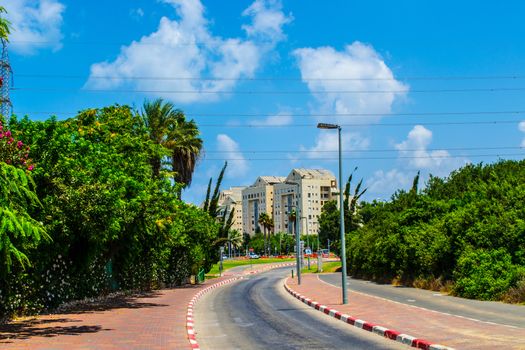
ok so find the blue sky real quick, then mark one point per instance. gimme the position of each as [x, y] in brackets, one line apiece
[426, 86]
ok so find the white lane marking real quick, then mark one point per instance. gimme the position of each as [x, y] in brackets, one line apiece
[422, 308]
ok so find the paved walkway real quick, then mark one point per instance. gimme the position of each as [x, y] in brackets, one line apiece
[155, 320]
[448, 330]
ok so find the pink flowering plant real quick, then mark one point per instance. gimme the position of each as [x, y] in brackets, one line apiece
[13, 152]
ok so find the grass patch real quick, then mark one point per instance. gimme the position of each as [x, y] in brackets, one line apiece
[328, 267]
[228, 264]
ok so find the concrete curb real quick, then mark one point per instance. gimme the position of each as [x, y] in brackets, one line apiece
[189, 314]
[382, 331]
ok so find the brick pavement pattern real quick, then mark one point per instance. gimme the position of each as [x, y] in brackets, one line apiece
[448, 330]
[154, 320]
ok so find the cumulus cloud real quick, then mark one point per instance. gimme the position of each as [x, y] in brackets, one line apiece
[386, 182]
[327, 144]
[185, 48]
[237, 165]
[521, 126]
[358, 67]
[279, 119]
[36, 24]
[414, 156]
[415, 146]
[268, 20]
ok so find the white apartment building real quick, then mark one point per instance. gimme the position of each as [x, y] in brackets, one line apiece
[307, 190]
[257, 199]
[232, 200]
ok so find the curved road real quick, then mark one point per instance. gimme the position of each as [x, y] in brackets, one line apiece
[485, 311]
[257, 313]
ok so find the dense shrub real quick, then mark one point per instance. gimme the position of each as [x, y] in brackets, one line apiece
[110, 223]
[467, 229]
[484, 274]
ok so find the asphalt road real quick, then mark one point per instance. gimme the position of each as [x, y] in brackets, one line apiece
[257, 313]
[486, 311]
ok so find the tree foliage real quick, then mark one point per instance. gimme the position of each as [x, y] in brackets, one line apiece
[329, 220]
[467, 228]
[113, 222]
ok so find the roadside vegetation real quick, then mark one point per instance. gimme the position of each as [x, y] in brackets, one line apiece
[464, 234]
[328, 267]
[91, 205]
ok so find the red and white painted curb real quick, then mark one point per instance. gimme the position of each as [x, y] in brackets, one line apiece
[270, 267]
[189, 315]
[382, 331]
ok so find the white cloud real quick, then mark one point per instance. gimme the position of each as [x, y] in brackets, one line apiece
[415, 146]
[36, 24]
[521, 127]
[238, 165]
[267, 20]
[186, 48]
[280, 119]
[327, 144]
[383, 183]
[137, 13]
[364, 70]
[414, 156]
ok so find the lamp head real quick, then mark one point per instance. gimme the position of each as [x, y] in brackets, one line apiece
[327, 126]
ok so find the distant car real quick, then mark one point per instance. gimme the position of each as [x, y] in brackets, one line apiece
[224, 257]
[253, 256]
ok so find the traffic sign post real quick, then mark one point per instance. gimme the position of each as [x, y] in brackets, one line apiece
[221, 250]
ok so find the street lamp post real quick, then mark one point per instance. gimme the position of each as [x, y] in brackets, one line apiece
[297, 235]
[341, 211]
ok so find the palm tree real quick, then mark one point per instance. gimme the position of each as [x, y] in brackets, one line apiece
[263, 221]
[169, 128]
[160, 119]
[186, 147]
[235, 240]
[5, 26]
[269, 226]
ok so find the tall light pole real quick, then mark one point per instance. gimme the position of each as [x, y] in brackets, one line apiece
[297, 235]
[341, 211]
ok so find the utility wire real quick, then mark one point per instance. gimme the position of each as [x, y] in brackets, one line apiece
[372, 158]
[376, 150]
[273, 92]
[363, 125]
[305, 115]
[186, 78]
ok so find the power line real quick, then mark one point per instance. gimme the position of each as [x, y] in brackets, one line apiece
[372, 158]
[274, 92]
[186, 78]
[307, 115]
[261, 126]
[141, 43]
[376, 150]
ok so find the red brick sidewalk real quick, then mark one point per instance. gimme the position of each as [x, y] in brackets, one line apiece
[156, 320]
[448, 330]
[153, 321]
